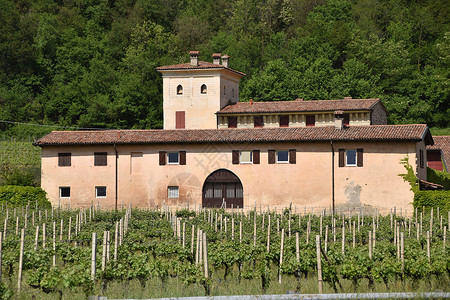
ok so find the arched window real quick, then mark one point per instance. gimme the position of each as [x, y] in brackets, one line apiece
[204, 89]
[179, 89]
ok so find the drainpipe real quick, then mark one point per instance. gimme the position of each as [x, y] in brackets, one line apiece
[117, 159]
[332, 176]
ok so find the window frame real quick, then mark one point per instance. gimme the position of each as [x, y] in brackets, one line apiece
[203, 89]
[346, 158]
[178, 157]
[98, 159]
[246, 162]
[175, 189]
[278, 161]
[64, 159]
[61, 192]
[179, 89]
[97, 188]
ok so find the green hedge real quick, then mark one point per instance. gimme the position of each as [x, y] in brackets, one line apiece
[429, 199]
[17, 196]
[439, 177]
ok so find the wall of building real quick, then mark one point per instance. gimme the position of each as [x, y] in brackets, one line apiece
[379, 114]
[143, 182]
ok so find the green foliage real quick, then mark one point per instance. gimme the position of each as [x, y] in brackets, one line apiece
[430, 199]
[410, 176]
[19, 175]
[16, 196]
[439, 177]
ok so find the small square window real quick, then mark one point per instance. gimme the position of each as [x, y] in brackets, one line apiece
[350, 158]
[100, 191]
[232, 122]
[100, 158]
[173, 192]
[283, 156]
[64, 159]
[310, 120]
[246, 157]
[64, 192]
[173, 158]
[284, 121]
[258, 121]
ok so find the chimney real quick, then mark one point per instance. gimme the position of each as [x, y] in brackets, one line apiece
[216, 58]
[339, 119]
[194, 58]
[225, 61]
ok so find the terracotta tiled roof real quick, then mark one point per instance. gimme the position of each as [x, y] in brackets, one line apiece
[201, 65]
[442, 143]
[299, 106]
[293, 134]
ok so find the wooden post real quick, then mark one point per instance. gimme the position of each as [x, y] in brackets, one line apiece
[54, 243]
[36, 240]
[108, 239]
[297, 247]
[232, 228]
[354, 234]
[254, 234]
[205, 255]
[184, 235]
[370, 244]
[120, 232]
[17, 225]
[197, 250]
[319, 264]
[94, 248]
[43, 235]
[19, 279]
[268, 236]
[240, 231]
[61, 230]
[445, 237]
[281, 254]
[116, 240]
[431, 223]
[70, 229]
[402, 249]
[192, 238]
[343, 239]
[326, 238]
[105, 236]
[428, 246]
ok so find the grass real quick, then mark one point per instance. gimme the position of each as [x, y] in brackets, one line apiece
[439, 131]
[19, 152]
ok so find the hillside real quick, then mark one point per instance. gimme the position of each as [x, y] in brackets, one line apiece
[92, 63]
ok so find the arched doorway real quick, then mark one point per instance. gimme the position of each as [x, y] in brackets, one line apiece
[222, 187]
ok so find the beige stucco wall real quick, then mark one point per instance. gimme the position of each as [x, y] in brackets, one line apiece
[143, 182]
[199, 108]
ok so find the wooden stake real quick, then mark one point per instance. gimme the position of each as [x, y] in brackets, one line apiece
[36, 240]
[297, 247]
[343, 239]
[240, 231]
[54, 243]
[94, 250]
[370, 244]
[281, 254]
[326, 239]
[19, 279]
[105, 236]
[43, 235]
[268, 236]
[319, 264]
[116, 240]
[184, 235]
[205, 255]
[192, 238]
[428, 246]
[354, 234]
[402, 249]
[61, 230]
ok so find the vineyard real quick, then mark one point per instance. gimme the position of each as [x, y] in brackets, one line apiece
[19, 151]
[70, 254]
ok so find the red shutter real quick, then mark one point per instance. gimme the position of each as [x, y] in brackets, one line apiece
[256, 157]
[162, 158]
[179, 120]
[311, 120]
[284, 121]
[341, 157]
[359, 157]
[292, 156]
[232, 122]
[271, 156]
[182, 157]
[235, 157]
[434, 160]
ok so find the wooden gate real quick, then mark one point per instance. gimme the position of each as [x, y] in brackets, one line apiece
[221, 188]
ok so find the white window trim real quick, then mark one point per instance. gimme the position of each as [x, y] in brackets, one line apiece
[64, 197]
[246, 162]
[96, 192]
[356, 158]
[173, 163]
[176, 191]
[283, 161]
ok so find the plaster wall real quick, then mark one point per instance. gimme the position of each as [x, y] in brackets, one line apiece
[143, 182]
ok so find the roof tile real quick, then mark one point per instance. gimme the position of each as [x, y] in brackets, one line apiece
[442, 143]
[201, 65]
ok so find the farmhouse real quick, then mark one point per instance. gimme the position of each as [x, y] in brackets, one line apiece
[216, 151]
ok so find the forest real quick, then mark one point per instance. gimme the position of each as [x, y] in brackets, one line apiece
[91, 63]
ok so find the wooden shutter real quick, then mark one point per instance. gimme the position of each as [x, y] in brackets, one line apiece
[271, 156]
[162, 158]
[232, 122]
[256, 157]
[311, 120]
[421, 158]
[292, 156]
[284, 121]
[258, 121]
[100, 158]
[359, 157]
[346, 121]
[182, 157]
[179, 120]
[341, 157]
[235, 157]
[64, 159]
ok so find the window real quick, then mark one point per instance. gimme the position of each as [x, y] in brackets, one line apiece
[346, 121]
[173, 158]
[246, 157]
[282, 156]
[100, 192]
[421, 158]
[173, 192]
[258, 121]
[284, 121]
[100, 158]
[64, 192]
[310, 120]
[180, 120]
[351, 157]
[179, 89]
[232, 122]
[64, 159]
[204, 89]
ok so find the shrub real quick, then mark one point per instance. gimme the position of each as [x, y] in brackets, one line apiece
[439, 177]
[429, 199]
[16, 196]
[19, 175]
